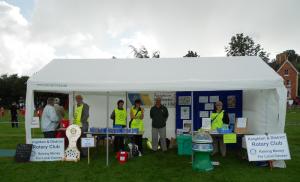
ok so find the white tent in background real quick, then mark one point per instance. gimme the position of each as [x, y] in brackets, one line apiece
[105, 80]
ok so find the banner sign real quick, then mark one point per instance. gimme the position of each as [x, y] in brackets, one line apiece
[267, 147]
[47, 149]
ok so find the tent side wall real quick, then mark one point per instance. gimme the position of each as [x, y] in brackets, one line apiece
[265, 110]
[29, 112]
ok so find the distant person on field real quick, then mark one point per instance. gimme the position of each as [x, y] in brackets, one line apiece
[49, 120]
[159, 115]
[14, 115]
[2, 111]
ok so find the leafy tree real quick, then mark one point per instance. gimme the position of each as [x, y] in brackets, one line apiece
[192, 54]
[143, 52]
[12, 88]
[241, 45]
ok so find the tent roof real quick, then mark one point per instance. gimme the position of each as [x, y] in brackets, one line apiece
[163, 74]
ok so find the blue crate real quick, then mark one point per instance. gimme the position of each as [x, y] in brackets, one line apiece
[224, 131]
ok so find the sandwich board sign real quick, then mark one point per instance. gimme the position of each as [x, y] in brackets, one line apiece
[267, 147]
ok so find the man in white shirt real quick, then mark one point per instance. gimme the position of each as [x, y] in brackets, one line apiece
[49, 120]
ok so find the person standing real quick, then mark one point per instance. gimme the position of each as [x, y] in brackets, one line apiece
[81, 116]
[59, 110]
[49, 120]
[159, 115]
[218, 118]
[14, 115]
[137, 116]
[119, 117]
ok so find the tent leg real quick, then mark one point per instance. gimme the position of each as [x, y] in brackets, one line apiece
[29, 113]
[192, 118]
[107, 122]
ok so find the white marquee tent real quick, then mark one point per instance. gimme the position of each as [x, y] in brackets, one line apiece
[103, 81]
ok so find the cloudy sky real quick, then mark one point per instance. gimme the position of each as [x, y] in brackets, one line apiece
[32, 32]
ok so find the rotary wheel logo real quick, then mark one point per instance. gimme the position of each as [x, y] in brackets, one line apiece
[252, 151]
[73, 131]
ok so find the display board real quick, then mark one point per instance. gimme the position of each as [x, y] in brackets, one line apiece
[203, 105]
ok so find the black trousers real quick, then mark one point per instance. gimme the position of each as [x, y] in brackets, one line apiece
[49, 134]
[138, 140]
[14, 122]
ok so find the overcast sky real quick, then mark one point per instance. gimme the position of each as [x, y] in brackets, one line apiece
[33, 32]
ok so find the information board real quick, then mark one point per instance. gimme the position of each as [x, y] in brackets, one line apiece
[267, 147]
[47, 149]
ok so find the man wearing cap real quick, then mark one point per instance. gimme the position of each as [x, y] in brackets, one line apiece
[81, 116]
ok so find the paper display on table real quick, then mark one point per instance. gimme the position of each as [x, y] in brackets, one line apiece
[184, 100]
[229, 138]
[187, 125]
[241, 123]
[213, 98]
[209, 106]
[203, 114]
[185, 113]
[203, 99]
[206, 123]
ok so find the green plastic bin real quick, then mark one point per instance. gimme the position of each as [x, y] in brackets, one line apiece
[201, 161]
[184, 144]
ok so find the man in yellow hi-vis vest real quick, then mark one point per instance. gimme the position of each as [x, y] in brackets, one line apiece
[81, 116]
[119, 116]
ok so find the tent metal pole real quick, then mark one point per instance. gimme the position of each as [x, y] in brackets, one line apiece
[126, 94]
[107, 122]
[192, 118]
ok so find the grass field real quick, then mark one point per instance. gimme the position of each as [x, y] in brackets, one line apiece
[150, 167]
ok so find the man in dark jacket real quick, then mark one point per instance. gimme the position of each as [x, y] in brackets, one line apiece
[159, 115]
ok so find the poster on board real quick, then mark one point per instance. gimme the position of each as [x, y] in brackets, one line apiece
[184, 100]
[185, 112]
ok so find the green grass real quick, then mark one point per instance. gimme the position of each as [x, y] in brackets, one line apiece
[151, 167]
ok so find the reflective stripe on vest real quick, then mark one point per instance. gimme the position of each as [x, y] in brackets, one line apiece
[218, 120]
[77, 115]
[120, 117]
[137, 123]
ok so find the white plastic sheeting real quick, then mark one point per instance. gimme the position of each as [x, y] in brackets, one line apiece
[264, 91]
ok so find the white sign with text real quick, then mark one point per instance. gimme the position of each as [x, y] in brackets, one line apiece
[47, 149]
[88, 142]
[267, 147]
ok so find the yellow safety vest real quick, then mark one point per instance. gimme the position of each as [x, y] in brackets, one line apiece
[137, 123]
[218, 120]
[77, 115]
[120, 117]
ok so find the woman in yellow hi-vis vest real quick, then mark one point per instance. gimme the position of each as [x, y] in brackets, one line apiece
[119, 117]
[218, 118]
[137, 116]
